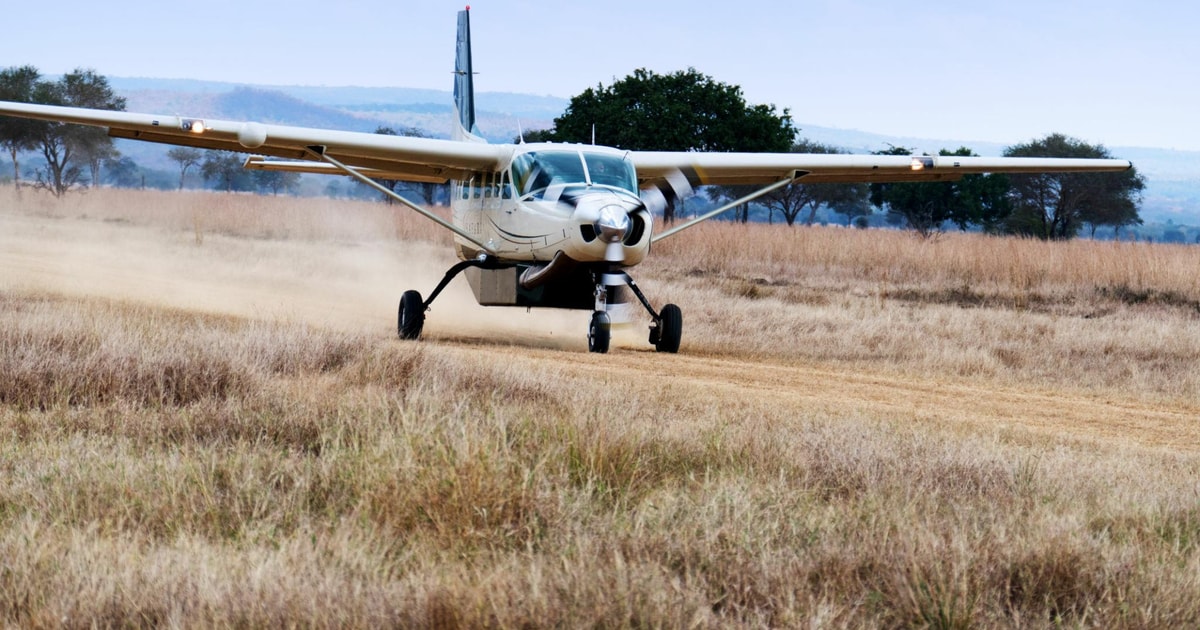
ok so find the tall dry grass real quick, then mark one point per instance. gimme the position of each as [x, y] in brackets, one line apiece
[956, 268]
[160, 466]
[337, 480]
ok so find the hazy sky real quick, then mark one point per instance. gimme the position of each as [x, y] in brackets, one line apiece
[1118, 73]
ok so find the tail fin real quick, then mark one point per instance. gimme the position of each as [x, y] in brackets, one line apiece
[464, 80]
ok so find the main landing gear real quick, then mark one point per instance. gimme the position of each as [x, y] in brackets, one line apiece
[666, 327]
[411, 317]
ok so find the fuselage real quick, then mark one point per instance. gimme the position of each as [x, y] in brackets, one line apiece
[576, 199]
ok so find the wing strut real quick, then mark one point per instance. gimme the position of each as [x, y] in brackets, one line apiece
[708, 215]
[319, 152]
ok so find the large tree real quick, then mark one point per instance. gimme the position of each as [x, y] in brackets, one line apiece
[86, 88]
[62, 145]
[681, 111]
[1055, 206]
[18, 134]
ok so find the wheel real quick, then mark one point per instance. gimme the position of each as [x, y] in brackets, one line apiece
[599, 332]
[670, 329]
[411, 318]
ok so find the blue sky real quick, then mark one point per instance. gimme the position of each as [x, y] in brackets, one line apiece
[1117, 73]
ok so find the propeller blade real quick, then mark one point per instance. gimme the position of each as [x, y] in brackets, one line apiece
[614, 252]
[673, 187]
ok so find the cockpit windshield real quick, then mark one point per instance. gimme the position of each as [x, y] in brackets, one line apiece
[536, 171]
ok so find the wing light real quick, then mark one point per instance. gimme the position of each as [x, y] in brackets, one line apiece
[921, 162]
[194, 126]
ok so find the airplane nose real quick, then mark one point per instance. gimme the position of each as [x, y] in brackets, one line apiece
[612, 224]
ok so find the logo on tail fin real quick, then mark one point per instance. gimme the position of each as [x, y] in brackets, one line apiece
[464, 78]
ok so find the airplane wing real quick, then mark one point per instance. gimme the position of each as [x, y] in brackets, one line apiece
[812, 168]
[436, 161]
[391, 157]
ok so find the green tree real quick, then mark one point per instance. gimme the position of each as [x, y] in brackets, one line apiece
[275, 181]
[18, 134]
[535, 135]
[186, 158]
[224, 170]
[1055, 206]
[123, 172]
[63, 144]
[86, 88]
[681, 111]
[977, 199]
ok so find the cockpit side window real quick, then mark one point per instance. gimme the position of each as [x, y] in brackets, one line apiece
[535, 172]
[609, 170]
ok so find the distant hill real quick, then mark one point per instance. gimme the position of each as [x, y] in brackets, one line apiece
[500, 114]
[1173, 191]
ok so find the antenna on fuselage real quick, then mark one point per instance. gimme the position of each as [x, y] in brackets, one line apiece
[520, 133]
[593, 134]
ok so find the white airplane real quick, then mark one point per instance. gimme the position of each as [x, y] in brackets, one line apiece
[539, 224]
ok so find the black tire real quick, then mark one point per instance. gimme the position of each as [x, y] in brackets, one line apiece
[670, 329]
[411, 317]
[599, 332]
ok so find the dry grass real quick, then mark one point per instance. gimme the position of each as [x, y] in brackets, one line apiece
[163, 466]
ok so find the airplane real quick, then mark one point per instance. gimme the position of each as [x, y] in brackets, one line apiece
[540, 224]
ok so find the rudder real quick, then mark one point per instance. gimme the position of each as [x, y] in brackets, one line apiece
[464, 79]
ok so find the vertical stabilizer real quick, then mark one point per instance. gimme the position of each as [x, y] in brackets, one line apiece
[464, 80]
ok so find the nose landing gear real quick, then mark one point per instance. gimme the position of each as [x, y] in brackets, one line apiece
[666, 327]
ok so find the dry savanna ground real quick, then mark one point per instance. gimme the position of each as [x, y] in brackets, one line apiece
[206, 419]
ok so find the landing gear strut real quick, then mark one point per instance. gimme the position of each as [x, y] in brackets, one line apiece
[666, 327]
[411, 317]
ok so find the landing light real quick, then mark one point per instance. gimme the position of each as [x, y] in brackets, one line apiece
[921, 163]
[194, 126]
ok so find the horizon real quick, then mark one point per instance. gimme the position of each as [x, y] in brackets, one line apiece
[1109, 74]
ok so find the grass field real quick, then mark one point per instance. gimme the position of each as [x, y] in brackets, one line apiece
[205, 419]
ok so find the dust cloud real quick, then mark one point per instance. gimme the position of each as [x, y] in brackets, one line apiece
[350, 286]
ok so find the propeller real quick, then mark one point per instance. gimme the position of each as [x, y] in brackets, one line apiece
[674, 186]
